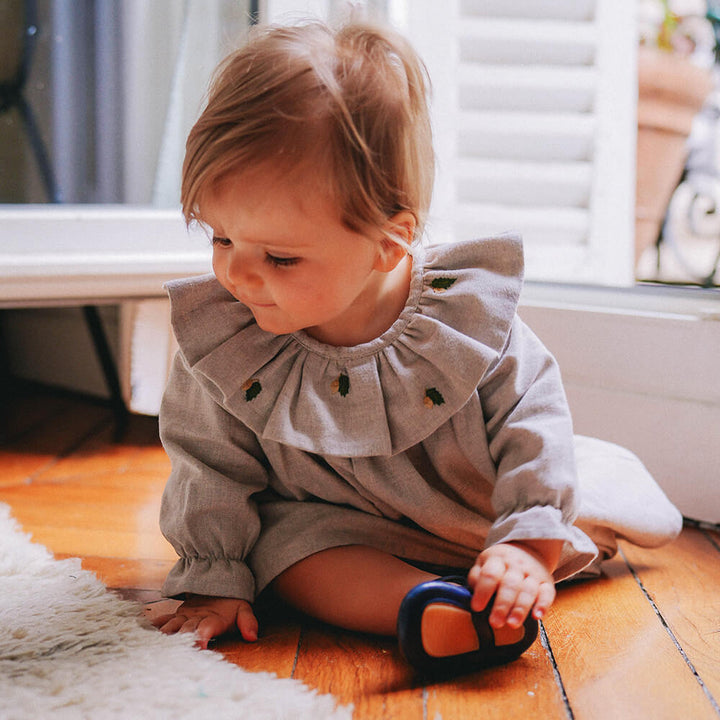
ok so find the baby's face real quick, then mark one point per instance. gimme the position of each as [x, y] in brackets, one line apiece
[280, 248]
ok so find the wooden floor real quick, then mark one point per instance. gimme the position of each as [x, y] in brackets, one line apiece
[641, 642]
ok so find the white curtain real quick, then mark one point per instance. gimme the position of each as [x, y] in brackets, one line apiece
[128, 81]
[172, 76]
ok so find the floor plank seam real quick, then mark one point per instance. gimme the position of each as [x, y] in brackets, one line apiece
[711, 539]
[672, 635]
[71, 448]
[98, 428]
[301, 635]
[545, 642]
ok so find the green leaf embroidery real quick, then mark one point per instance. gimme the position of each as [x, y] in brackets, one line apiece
[442, 284]
[252, 389]
[341, 385]
[433, 397]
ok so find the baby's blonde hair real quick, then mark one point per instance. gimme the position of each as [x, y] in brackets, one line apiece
[352, 101]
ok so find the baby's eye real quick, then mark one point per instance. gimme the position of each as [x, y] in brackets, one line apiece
[281, 261]
[221, 241]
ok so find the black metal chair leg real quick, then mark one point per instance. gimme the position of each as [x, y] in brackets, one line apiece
[109, 368]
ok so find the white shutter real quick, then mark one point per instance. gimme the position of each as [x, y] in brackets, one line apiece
[534, 114]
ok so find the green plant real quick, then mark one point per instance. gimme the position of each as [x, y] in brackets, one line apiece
[668, 27]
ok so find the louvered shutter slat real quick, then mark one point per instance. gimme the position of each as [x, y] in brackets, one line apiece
[535, 89]
[517, 42]
[525, 136]
[535, 121]
[524, 184]
[541, 226]
[533, 9]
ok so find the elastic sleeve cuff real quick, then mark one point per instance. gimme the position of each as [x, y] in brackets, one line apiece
[216, 577]
[546, 523]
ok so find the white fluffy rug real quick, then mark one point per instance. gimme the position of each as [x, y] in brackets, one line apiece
[71, 649]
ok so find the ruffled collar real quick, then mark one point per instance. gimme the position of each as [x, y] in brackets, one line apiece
[377, 398]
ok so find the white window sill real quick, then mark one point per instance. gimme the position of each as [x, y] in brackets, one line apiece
[60, 255]
[641, 300]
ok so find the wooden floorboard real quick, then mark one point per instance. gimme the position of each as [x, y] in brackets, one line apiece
[367, 672]
[682, 581]
[643, 641]
[615, 657]
[526, 688]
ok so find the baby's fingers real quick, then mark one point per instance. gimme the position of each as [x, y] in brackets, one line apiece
[171, 624]
[485, 580]
[208, 628]
[247, 623]
[159, 620]
[520, 609]
[545, 598]
[513, 600]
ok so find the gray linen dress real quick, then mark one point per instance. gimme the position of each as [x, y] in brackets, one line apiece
[448, 433]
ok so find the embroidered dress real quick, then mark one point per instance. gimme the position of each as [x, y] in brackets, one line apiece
[447, 433]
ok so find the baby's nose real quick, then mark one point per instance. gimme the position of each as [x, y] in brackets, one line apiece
[242, 272]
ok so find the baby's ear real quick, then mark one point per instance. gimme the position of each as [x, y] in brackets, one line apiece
[400, 226]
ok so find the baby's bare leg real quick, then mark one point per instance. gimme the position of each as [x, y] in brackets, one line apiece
[354, 587]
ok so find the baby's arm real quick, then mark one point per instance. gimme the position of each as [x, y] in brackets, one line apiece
[521, 575]
[210, 617]
[208, 511]
[530, 436]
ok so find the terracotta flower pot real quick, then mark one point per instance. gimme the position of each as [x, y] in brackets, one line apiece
[671, 92]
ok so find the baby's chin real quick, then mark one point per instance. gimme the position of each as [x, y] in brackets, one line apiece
[274, 325]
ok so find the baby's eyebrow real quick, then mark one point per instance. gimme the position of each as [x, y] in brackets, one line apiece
[269, 245]
[280, 244]
[284, 248]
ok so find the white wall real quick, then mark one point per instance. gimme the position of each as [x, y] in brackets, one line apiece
[648, 381]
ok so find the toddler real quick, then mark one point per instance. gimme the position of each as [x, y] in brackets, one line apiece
[351, 415]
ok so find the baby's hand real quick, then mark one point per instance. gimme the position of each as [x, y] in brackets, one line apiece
[521, 575]
[209, 617]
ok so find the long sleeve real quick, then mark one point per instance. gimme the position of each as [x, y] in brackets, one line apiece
[531, 441]
[208, 513]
